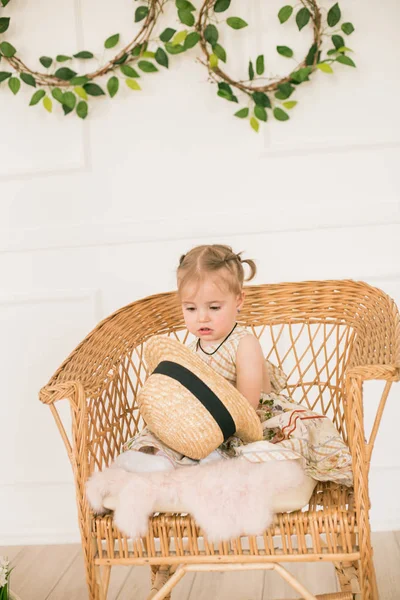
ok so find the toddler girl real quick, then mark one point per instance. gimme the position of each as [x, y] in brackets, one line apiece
[210, 289]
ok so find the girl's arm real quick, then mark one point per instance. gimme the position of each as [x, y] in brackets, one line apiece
[249, 369]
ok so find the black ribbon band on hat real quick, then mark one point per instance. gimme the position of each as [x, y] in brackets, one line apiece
[202, 392]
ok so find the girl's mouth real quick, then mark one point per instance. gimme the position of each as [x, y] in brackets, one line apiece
[205, 330]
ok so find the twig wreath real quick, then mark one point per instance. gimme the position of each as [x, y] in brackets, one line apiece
[72, 89]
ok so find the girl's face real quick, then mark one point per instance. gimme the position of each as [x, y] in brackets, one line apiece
[209, 312]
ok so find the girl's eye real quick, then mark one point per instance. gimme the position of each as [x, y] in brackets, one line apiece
[190, 308]
[215, 307]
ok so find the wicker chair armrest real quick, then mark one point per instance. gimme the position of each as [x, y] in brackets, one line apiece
[71, 390]
[375, 372]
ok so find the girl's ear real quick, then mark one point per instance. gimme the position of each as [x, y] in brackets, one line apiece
[240, 302]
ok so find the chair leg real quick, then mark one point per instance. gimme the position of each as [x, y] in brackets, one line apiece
[91, 575]
[103, 581]
[159, 576]
[348, 576]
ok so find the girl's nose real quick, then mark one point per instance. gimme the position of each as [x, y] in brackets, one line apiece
[203, 316]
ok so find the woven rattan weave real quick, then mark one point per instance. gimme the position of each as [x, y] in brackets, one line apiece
[329, 337]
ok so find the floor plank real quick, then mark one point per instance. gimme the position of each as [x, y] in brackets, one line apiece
[387, 561]
[318, 578]
[39, 569]
[11, 552]
[72, 583]
[57, 573]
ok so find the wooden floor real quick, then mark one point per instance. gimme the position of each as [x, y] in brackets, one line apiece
[56, 573]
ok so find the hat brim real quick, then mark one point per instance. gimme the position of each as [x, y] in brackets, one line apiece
[187, 418]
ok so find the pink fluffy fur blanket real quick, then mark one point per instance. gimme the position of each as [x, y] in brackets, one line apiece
[227, 498]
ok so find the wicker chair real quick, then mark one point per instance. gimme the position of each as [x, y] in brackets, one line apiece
[329, 337]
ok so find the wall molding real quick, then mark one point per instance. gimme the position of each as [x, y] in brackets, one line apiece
[85, 235]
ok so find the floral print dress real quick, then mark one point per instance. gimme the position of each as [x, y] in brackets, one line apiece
[290, 430]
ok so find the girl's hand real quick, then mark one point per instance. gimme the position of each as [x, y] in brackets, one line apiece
[250, 369]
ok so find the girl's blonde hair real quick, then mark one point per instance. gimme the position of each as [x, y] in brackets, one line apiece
[206, 260]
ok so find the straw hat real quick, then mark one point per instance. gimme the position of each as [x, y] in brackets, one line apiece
[189, 406]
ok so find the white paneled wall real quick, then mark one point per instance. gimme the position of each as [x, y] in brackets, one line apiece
[95, 215]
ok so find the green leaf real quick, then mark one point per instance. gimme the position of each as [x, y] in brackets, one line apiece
[191, 40]
[65, 73]
[5, 2]
[334, 15]
[260, 113]
[80, 80]
[4, 24]
[14, 84]
[93, 89]
[338, 41]
[211, 34]
[83, 54]
[69, 99]
[28, 79]
[47, 103]
[236, 23]
[82, 109]
[220, 52]
[7, 49]
[186, 17]
[224, 94]
[132, 84]
[347, 28]
[179, 37]
[261, 99]
[167, 34]
[301, 75]
[345, 60]
[112, 86]
[290, 104]
[285, 13]
[4, 75]
[285, 90]
[280, 114]
[221, 5]
[344, 49]
[46, 61]
[147, 67]
[141, 13]
[285, 51]
[136, 51]
[302, 18]
[162, 58]
[311, 55]
[112, 41]
[129, 71]
[62, 58]
[242, 113]
[324, 67]
[260, 64]
[57, 94]
[79, 91]
[254, 124]
[66, 109]
[37, 96]
[225, 91]
[222, 85]
[148, 54]
[120, 61]
[185, 5]
[174, 49]
[213, 61]
[251, 70]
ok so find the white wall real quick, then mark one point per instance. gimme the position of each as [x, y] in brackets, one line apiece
[94, 215]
